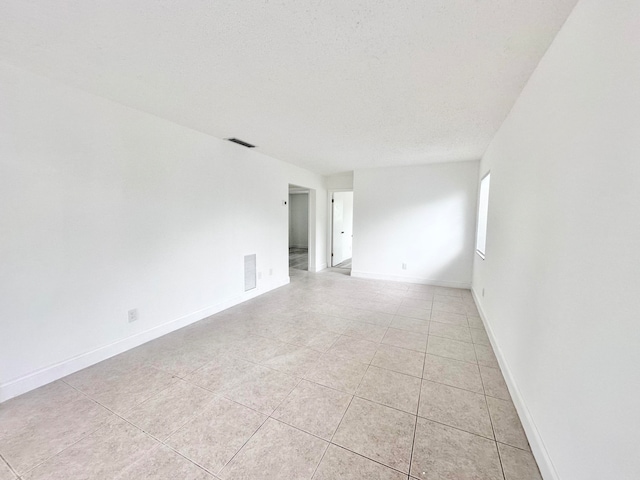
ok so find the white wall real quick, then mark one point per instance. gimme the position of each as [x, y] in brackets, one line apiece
[422, 216]
[104, 209]
[562, 269]
[340, 181]
[299, 220]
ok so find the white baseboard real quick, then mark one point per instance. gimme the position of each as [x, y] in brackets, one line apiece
[538, 448]
[49, 374]
[409, 279]
[321, 267]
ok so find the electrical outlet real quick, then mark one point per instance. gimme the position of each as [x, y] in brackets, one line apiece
[404, 266]
[133, 315]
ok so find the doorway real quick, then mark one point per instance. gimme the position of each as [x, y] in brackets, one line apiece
[341, 229]
[298, 227]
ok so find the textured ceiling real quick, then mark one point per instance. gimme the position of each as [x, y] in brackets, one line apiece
[330, 85]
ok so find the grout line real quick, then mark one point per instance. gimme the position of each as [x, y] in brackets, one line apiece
[354, 393]
[102, 425]
[494, 435]
[451, 358]
[415, 426]
[160, 441]
[369, 459]
[255, 315]
[191, 461]
[517, 448]
[248, 439]
[6, 462]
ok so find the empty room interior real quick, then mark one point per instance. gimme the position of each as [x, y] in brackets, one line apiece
[320, 240]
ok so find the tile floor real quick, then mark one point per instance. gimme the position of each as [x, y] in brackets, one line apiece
[345, 264]
[299, 258]
[328, 378]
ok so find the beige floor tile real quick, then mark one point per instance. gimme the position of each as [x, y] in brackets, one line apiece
[425, 304]
[413, 312]
[342, 464]
[442, 452]
[410, 324]
[399, 360]
[418, 295]
[378, 303]
[183, 360]
[472, 310]
[355, 349]
[210, 387]
[480, 337]
[276, 451]
[454, 332]
[450, 318]
[214, 437]
[455, 407]
[380, 433]
[335, 372]
[220, 373]
[102, 454]
[389, 388]
[366, 331]
[329, 323]
[449, 308]
[494, 384]
[262, 389]
[325, 309]
[448, 299]
[169, 409]
[506, 423]
[120, 389]
[367, 316]
[43, 422]
[518, 464]
[445, 347]
[322, 341]
[467, 295]
[163, 463]
[452, 372]
[405, 339]
[314, 409]
[293, 360]
[310, 337]
[271, 328]
[5, 472]
[255, 349]
[485, 356]
[475, 322]
[419, 287]
[449, 291]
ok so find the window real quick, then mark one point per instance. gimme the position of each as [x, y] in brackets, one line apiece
[483, 210]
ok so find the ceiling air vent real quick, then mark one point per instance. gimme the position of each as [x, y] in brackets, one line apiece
[240, 142]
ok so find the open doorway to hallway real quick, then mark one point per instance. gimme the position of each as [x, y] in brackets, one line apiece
[341, 229]
[298, 227]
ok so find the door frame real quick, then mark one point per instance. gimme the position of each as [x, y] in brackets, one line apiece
[330, 218]
[311, 225]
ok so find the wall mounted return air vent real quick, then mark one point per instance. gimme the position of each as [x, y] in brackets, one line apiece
[240, 142]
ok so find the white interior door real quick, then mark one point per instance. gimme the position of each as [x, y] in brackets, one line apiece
[342, 230]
